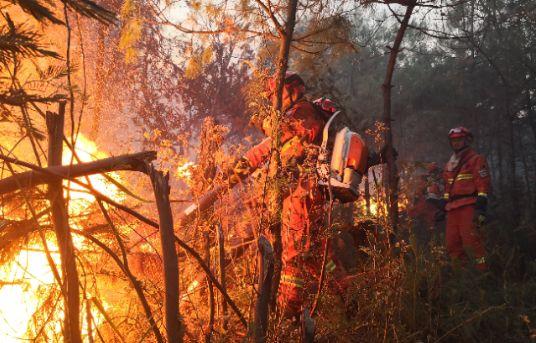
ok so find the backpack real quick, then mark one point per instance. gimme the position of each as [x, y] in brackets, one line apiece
[343, 154]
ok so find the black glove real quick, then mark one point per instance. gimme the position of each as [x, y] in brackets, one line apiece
[481, 206]
[441, 213]
[381, 157]
[373, 159]
[437, 203]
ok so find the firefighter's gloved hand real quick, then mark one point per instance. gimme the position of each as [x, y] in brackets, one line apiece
[437, 203]
[440, 215]
[479, 218]
[481, 205]
[441, 212]
[373, 159]
[381, 157]
[240, 171]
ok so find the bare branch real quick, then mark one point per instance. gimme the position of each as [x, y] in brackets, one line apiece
[38, 176]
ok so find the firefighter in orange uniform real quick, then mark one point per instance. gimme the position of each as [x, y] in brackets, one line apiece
[304, 200]
[467, 182]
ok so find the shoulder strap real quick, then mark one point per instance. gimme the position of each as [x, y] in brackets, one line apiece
[325, 136]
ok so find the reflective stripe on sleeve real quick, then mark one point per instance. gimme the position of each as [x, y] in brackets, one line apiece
[446, 196]
[330, 266]
[464, 177]
[292, 280]
[482, 194]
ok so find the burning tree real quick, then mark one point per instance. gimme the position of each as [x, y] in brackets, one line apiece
[103, 247]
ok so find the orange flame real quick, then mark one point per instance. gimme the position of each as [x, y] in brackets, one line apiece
[26, 281]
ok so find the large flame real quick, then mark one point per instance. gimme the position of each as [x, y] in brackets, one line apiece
[184, 171]
[80, 198]
[27, 280]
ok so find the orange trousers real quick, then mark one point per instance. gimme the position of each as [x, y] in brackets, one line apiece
[463, 238]
[303, 219]
[299, 283]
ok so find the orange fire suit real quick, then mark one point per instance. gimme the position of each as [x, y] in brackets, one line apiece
[466, 177]
[303, 206]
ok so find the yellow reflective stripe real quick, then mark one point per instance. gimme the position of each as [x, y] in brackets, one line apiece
[292, 280]
[446, 196]
[450, 180]
[291, 144]
[480, 260]
[464, 177]
[330, 266]
[482, 194]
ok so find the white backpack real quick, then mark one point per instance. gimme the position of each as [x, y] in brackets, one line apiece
[341, 168]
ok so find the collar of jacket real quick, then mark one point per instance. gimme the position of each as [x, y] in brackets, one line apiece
[462, 155]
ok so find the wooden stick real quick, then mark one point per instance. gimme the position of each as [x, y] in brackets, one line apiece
[35, 177]
[266, 272]
[221, 261]
[161, 189]
[60, 220]
[208, 336]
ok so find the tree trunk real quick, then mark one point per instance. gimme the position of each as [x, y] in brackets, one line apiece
[276, 202]
[390, 172]
[60, 220]
[169, 254]
[266, 271]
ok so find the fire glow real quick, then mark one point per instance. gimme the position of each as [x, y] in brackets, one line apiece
[27, 281]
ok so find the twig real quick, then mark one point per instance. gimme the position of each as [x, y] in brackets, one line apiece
[210, 291]
[133, 281]
[470, 319]
[221, 262]
[214, 280]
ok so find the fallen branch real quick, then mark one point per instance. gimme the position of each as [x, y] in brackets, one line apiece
[38, 176]
[92, 190]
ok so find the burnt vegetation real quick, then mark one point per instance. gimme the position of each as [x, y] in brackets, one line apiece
[120, 123]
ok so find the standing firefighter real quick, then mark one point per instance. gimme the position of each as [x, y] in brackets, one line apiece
[467, 182]
[304, 201]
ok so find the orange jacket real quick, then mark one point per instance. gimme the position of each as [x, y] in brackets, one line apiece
[301, 125]
[472, 180]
